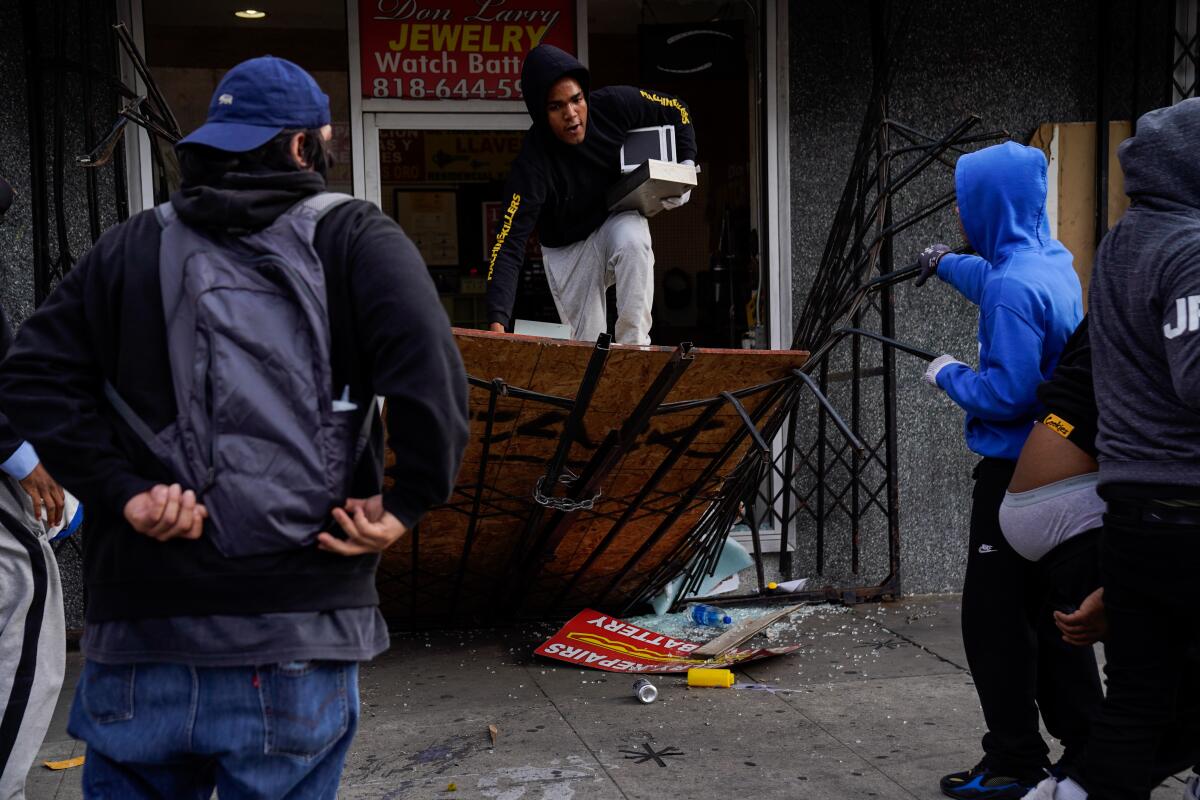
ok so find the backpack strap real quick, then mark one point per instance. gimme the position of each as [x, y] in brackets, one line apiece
[166, 214]
[362, 443]
[125, 412]
[363, 439]
[318, 205]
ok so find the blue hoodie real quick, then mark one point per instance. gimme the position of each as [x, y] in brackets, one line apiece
[1028, 295]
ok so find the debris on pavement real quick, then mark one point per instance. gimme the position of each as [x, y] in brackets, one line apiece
[596, 640]
[744, 631]
[708, 678]
[645, 691]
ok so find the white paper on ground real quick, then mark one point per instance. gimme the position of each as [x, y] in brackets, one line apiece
[727, 585]
[733, 559]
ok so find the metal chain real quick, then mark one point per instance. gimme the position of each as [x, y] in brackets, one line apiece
[563, 503]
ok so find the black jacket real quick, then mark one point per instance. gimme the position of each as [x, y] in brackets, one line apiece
[390, 337]
[560, 188]
[1144, 304]
[1069, 396]
[9, 440]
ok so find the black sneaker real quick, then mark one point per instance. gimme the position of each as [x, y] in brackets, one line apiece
[982, 783]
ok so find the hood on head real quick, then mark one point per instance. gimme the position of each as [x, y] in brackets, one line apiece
[244, 201]
[544, 65]
[1161, 161]
[1002, 199]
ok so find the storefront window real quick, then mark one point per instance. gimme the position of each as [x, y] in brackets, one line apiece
[191, 43]
[446, 189]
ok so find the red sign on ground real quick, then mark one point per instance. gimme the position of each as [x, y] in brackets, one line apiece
[456, 49]
[599, 641]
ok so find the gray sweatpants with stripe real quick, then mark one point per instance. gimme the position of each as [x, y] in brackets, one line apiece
[32, 637]
[618, 252]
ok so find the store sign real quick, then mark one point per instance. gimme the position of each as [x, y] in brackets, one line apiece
[456, 49]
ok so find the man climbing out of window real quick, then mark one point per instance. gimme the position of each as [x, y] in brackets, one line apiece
[559, 184]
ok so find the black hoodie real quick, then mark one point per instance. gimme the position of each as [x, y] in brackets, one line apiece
[9, 440]
[390, 337]
[1144, 305]
[560, 188]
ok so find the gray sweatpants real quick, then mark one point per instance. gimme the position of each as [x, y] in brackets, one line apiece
[618, 252]
[32, 637]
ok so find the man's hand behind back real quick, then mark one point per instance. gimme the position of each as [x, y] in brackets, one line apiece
[1086, 626]
[166, 512]
[45, 493]
[371, 529]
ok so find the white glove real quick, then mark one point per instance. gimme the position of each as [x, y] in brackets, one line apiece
[669, 203]
[936, 366]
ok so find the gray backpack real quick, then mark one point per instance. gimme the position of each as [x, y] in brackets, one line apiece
[259, 434]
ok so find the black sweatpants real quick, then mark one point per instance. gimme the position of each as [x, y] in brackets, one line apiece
[1150, 715]
[1016, 654]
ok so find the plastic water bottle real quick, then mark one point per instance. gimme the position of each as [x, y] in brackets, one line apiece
[712, 616]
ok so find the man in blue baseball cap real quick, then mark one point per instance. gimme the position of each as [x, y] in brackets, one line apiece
[256, 101]
[231, 586]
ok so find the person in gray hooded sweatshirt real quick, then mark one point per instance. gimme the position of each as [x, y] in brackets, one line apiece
[1144, 307]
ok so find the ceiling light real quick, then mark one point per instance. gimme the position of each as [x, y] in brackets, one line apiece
[249, 13]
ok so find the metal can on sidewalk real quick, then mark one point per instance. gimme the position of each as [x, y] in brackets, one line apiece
[645, 691]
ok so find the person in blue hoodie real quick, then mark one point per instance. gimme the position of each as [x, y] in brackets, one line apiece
[1029, 301]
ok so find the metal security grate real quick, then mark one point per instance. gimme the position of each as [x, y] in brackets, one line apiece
[1186, 43]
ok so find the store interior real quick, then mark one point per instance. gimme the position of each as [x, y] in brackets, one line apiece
[445, 186]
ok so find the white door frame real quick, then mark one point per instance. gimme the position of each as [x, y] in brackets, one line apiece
[777, 172]
[777, 248]
[139, 168]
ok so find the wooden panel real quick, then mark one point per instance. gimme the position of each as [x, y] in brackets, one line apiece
[433, 580]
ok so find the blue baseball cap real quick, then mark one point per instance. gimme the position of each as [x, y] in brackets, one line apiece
[256, 100]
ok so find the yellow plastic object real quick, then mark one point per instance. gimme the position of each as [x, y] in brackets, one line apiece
[715, 678]
[67, 764]
[772, 586]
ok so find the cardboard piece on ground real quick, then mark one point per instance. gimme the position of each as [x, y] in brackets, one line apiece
[65, 764]
[598, 641]
[743, 631]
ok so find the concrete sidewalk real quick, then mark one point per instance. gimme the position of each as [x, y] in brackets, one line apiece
[880, 705]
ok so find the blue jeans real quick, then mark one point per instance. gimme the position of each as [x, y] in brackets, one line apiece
[173, 731]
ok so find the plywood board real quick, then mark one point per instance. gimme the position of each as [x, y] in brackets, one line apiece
[1070, 149]
[431, 577]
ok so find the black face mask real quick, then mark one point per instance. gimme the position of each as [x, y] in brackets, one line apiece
[6, 197]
